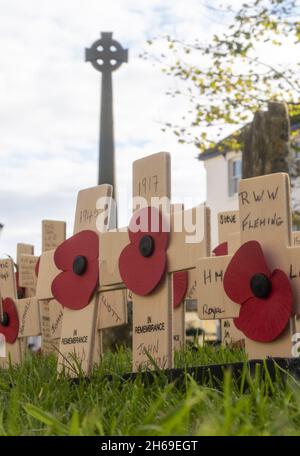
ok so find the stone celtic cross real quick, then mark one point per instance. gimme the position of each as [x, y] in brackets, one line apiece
[106, 55]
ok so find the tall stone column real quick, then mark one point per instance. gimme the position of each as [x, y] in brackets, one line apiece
[106, 55]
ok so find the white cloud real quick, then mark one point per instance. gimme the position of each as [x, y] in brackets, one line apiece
[49, 111]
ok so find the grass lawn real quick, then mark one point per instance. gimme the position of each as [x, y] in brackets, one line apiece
[34, 401]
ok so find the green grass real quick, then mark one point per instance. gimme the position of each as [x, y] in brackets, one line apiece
[34, 401]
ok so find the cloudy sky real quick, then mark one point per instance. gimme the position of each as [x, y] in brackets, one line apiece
[50, 99]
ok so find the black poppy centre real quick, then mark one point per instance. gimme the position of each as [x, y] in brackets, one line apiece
[79, 265]
[260, 285]
[5, 319]
[146, 246]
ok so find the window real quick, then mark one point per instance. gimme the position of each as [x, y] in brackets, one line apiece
[234, 175]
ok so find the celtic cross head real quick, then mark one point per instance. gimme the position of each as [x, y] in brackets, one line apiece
[106, 54]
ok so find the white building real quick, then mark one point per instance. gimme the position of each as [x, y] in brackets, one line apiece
[223, 172]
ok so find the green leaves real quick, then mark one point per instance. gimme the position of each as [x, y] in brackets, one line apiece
[55, 426]
[231, 82]
[33, 401]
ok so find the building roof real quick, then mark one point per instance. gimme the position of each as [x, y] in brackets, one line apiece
[223, 146]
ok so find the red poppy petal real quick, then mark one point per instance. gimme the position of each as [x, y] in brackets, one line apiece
[247, 261]
[221, 249]
[74, 291]
[180, 284]
[85, 243]
[263, 320]
[141, 274]
[12, 330]
[149, 221]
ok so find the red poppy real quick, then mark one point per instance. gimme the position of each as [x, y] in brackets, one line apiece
[221, 249]
[142, 263]
[180, 284]
[9, 323]
[265, 297]
[77, 258]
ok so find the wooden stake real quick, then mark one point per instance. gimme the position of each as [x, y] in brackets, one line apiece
[152, 313]
[53, 234]
[265, 216]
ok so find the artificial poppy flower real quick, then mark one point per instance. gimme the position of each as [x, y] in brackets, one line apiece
[77, 258]
[142, 263]
[265, 297]
[180, 284]
[221, 249]
[9, 323]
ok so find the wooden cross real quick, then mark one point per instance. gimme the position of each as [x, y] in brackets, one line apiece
[153, 311]
[265, 216]
[26, 319]
[229, 239]
[21, 291]
[112, 309]
[8, 289]
[229, 233]
[51, 311]
[80, 335]
[53, 233]
[228, 224]
[26, 280]
[78, 330]
[23, 249]
[27, 273]
[179, 278]
[27, 306]
[228, 229]
[229, 242]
